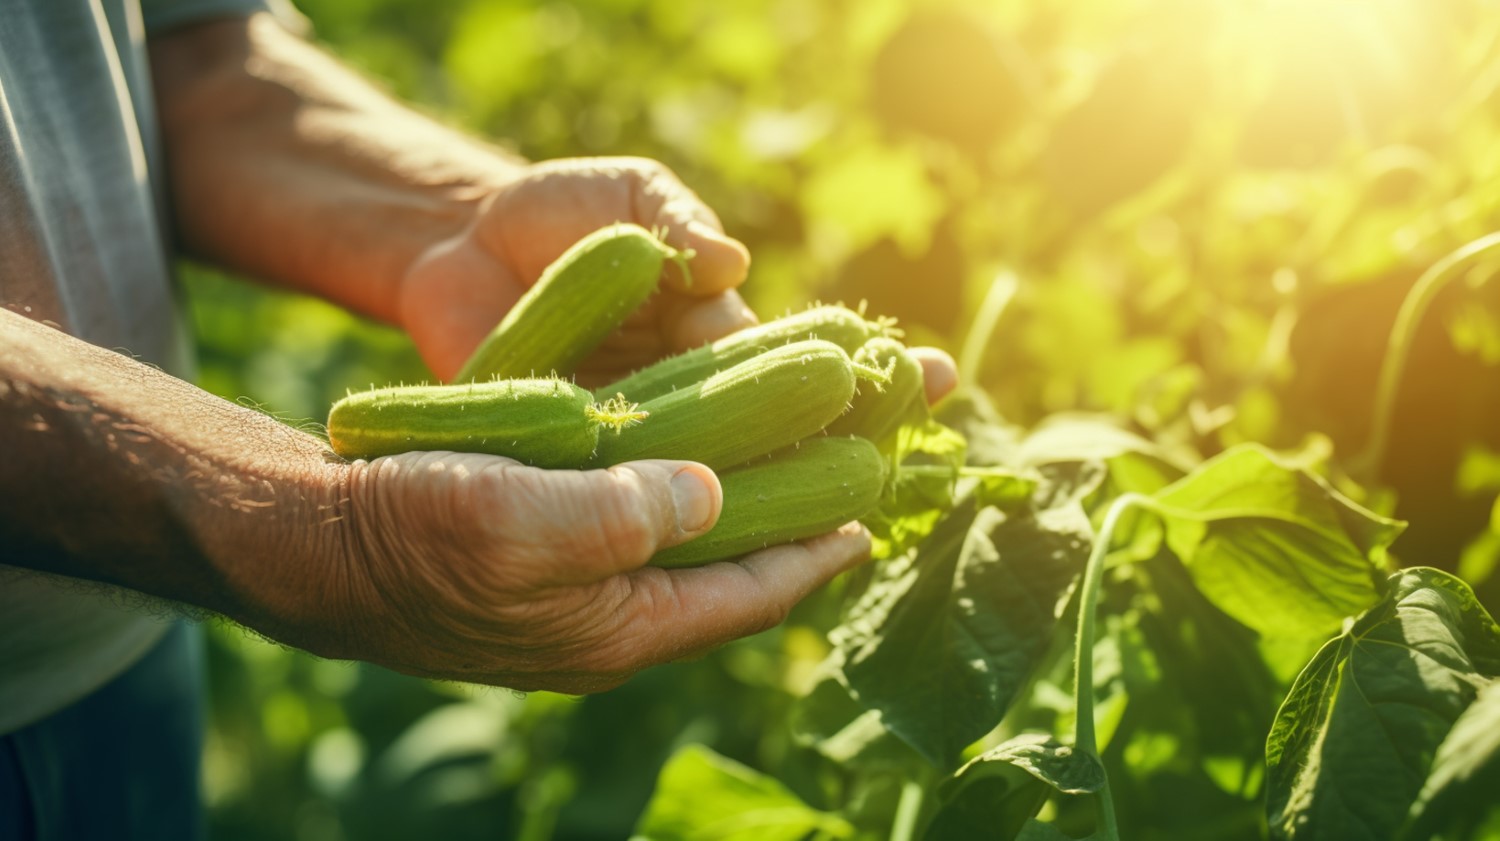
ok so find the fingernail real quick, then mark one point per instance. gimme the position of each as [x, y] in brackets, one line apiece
[693, 499]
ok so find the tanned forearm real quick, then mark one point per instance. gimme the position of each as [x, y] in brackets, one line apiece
[116, 472]
[286, 166]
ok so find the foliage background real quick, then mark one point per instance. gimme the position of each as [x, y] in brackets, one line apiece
[1211, 210]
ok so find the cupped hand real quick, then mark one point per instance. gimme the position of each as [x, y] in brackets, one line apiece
[477, 568]
[458, 290]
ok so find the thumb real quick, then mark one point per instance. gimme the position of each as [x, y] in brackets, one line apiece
[614, 520]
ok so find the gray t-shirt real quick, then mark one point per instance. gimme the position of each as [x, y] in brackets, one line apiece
[83, 245]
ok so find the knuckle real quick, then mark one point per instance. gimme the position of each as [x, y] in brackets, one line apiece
[648, 168]
[631, 526]
[775, 613]
[774, 609]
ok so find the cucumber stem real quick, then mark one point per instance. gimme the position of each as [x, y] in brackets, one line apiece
[1398, 348]
[1083, 654]
[908, 809]
[681, 256]
[880, 378]
[982, 329]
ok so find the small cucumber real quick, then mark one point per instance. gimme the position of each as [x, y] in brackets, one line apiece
[840, 325]
[763, 404]
[800, 492]
[541, 422]
[578, 301]
[878, 410]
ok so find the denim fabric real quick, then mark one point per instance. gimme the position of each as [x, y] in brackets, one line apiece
[120, 765]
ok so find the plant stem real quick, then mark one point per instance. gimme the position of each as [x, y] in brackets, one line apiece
[1083, 662]
[982, 329]
[1398, 348]
[907, 809]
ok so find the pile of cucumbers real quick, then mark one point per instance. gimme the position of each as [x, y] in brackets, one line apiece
[788, 412]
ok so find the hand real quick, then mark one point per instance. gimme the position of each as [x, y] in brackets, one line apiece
[457, 291]
[464, 567]
[480, 569]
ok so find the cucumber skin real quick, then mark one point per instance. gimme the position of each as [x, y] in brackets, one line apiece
[840, 325]
[579, 300]
[801, 492]
[768, 402]
[878, 414]
[541, 422]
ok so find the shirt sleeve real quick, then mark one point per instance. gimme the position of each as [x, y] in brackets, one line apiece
[161, 15]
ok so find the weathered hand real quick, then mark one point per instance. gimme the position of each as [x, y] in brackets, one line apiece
[456, 292]
[480, 569]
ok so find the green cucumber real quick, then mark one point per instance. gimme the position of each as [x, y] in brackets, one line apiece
[879, 409]
[765, 403]
[840, 325]
[578, 301]
[813, 488]
[541, 422]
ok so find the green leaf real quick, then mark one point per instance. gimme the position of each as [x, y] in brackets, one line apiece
[1185, 702]
[703, 796]
[969, 411]
[1273, 545]
[1076, 437]
[943, 639]
[997, 486]
[993, 806]
[1060, 766]
[835, 725]
[1354, 739]
[916, 498]
[1460, 794]
[994, 794]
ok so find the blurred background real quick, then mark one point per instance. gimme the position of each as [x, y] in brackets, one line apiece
[1203, 216]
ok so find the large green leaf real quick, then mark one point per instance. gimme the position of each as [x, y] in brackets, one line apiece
[1462, 791]
[944, 638]
[1185, 703]
[1273, 545]
[1353, 741]
[702, 796]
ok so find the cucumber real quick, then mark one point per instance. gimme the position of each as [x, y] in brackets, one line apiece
[812, 488]
[765, 403]
[541, 422]
[878, 411]
[578, 301]
[840, 325]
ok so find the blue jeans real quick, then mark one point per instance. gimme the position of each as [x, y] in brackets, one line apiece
[121, 764]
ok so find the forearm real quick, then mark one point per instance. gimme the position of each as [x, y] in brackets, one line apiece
[286, 166]
[116, 472]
